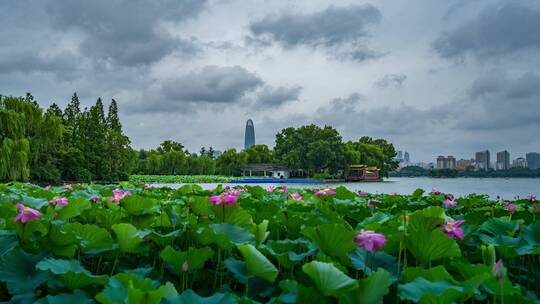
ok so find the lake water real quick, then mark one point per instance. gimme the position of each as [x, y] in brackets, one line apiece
[507, 188]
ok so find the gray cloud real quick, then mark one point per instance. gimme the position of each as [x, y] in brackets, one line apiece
[212, 84]
[504, 101]
[275, 97]
[497, 30]
[126, 32]
[28, 61]
[391, 80]
[341, 30]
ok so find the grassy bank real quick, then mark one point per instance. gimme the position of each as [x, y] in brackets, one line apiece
[169, 179]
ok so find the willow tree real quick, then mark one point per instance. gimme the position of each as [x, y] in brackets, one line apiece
[14, 146]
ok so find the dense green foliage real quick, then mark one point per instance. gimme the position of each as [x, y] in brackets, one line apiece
[180, 179]
[53, 145]
[160, 245]
[315, 150]
[410, 171]
[89, 145]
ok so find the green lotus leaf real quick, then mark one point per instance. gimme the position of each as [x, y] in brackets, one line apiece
[92, 239]
[195, 257]
[423, 291]
[375, 260]
[257, 264]
[18, 271]
[78, 296]
[238, 269]
[261, 231]
[189, 297]
[225, 235]
[129, 239]
[371, 290]
[130, 288]
[8, 241]
[425, 240]
[333, 239]
[329, 280]
[139, 205]
[71, 273]
[74, 208]
[298, 293]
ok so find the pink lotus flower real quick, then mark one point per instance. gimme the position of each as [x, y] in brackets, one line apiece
[452, 229]
[449, 203]
[60, 201]
[95, 199]
[435, 191]
[68, 187]
[26, 214]
[327, 191]
[227, 187]
[283, 189]
[361, 193]
[47, 187]
[270, 189]
[498, 270]
[225, 198]
[296, 196]
[531, 197]
[237, 191]
[394, 193]
[185, 266]
[118, 195]
[370, 240]
[511, 207]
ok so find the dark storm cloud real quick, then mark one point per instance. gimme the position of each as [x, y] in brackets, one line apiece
[275, 97]
[505, 101]
[212, 84]
[337, 29]
[28, 61]
[497, 30]
[126, 32]
[391, 80]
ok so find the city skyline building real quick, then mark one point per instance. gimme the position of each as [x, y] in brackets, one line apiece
[533, 160]
[519, 162]
[407, 157]
[249, 136]
[448, 162]
[482, 160]
[503, 160]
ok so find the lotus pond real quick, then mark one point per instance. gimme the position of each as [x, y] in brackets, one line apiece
[132, 244]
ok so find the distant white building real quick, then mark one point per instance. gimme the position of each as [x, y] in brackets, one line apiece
[519, 162]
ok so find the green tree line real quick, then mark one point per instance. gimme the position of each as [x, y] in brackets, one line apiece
[309, 149]
[56, 145]
[75, 144]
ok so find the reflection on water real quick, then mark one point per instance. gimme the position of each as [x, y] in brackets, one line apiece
[507, 188]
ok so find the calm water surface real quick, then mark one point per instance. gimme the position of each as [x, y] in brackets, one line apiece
[505, 187]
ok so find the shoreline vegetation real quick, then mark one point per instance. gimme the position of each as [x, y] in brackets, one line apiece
[128, 243]
[76, 144]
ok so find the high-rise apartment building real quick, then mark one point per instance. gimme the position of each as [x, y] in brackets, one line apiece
[519, 162]
[503, 160]
[446, 162]
[533, 160]
[483, 161]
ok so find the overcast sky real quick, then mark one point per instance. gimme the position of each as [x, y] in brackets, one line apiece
[444, 77]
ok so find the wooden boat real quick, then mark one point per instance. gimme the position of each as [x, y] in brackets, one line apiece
[361, 172]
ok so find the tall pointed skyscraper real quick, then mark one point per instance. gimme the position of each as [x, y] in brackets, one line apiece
[249, 139]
